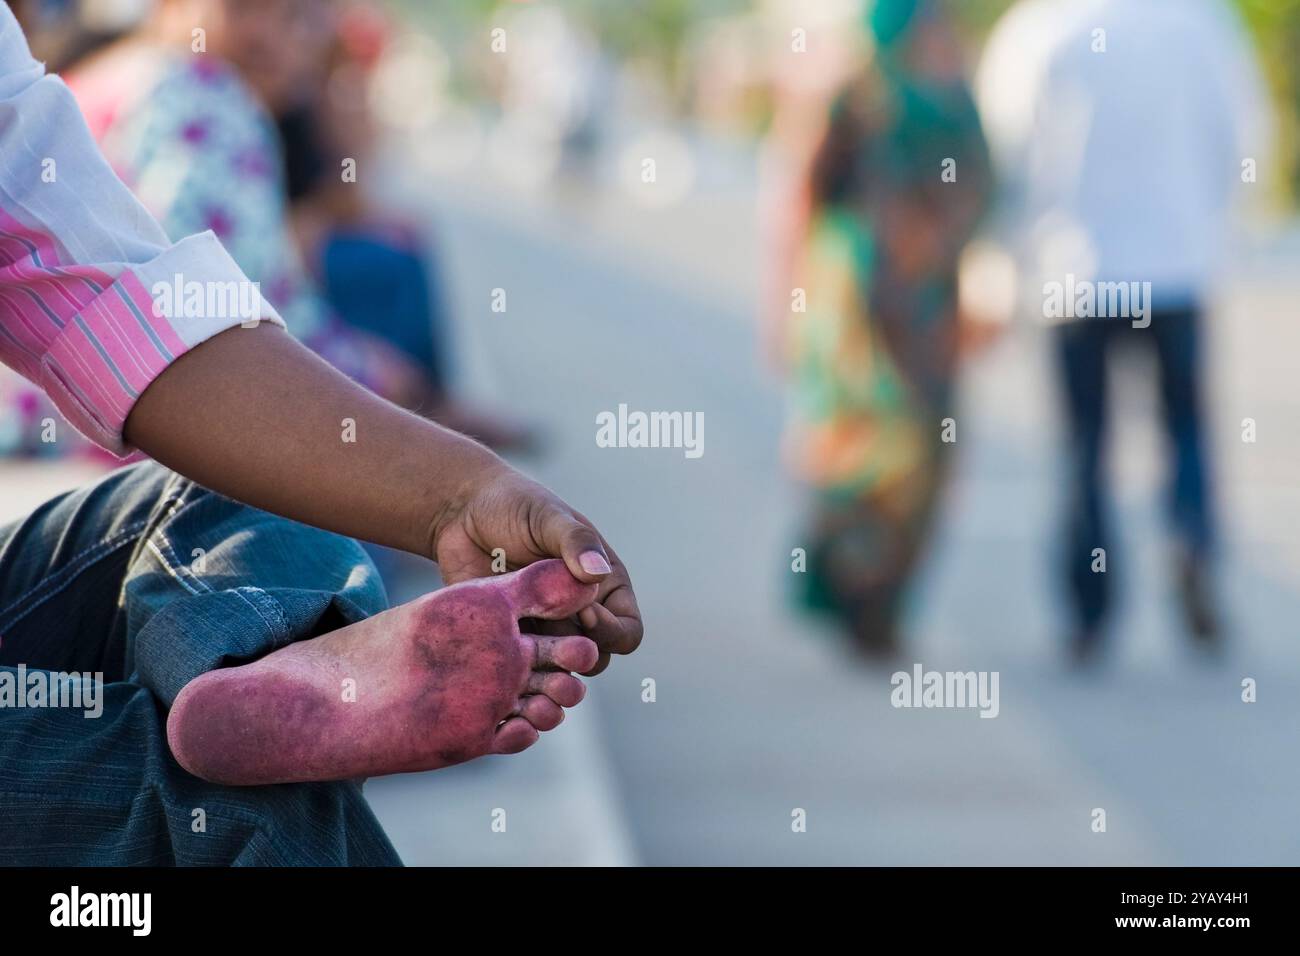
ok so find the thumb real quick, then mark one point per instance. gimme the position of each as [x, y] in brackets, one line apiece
[564, 536]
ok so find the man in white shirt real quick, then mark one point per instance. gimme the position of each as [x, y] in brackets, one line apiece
[1122, 129]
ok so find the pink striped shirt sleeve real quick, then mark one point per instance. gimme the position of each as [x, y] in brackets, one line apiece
[95, 301]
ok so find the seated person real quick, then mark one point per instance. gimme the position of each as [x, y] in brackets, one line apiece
[252, 674]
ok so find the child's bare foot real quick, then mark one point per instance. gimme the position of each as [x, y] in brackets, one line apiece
[443, 679]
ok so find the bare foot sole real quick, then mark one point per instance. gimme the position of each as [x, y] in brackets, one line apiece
[437, 681]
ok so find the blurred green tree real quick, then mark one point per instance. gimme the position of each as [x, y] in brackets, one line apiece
[656, 31]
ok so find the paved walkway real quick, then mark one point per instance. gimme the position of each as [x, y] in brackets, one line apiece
[757, 712]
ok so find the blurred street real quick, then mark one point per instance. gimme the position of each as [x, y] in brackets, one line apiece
[757, 711]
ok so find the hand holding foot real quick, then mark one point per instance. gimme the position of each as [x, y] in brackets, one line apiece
[505, 510]
[437, 681]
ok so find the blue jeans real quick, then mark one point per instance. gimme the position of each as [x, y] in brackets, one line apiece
[153, 580]
[1175, 337]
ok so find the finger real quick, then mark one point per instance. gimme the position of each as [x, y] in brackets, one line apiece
[619, 631]
[561, 533]
[614, 632]
[565, 689]
[574, 653]
[542, 712]
[547, 590]
[514, 735]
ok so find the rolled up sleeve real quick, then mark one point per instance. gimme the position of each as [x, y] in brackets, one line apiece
[95, 301]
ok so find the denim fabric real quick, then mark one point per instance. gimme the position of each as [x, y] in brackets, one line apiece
[153, 580]
[1084, 345]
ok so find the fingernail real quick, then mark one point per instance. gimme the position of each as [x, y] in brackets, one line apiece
[593, 562]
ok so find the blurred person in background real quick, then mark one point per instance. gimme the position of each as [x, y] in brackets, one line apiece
[374, 266]
[1122, 130]
[883, 207]
[554, 91]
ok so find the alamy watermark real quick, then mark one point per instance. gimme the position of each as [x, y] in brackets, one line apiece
[633, 429]
[20, 687]
[240, 300]
[1085, 299]
[75, 908]
[942, 689]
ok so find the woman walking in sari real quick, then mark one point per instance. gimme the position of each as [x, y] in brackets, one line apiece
[892, 194]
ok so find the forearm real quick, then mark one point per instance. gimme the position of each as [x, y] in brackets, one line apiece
[255, 415]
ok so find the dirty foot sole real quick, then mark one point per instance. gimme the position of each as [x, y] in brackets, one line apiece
[437, 681]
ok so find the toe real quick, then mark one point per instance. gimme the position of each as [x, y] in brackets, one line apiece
[514, 735]
[565, 689]
[546, 589]
[574, 653]
[542, 712]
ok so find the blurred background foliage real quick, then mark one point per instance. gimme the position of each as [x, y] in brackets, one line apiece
[658, 34]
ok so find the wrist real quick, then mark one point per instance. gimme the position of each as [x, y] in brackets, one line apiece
[477, 468]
